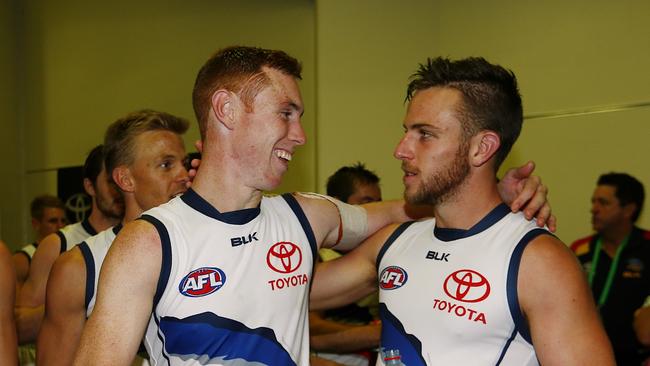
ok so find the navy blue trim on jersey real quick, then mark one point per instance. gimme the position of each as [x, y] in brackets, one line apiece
[511, 283]
[162, 339]
[166, 265]
[306, 226]
[238, 217]
[23, 251]
[89, 228]
[117, 228]
[394, 336]
[448, 234]
[225, 339]
[90, 272]
[398, 231]
[63, 240]
[507, 345]
[29, 259]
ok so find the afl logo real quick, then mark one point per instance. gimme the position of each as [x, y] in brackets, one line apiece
[284, 257]
[467, 286]
[202, 282]
[392, 277]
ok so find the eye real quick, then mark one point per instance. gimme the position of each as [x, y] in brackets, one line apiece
[166, 164]
[424, 134]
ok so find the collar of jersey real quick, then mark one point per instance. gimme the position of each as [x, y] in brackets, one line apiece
[449, 234]
[89, 228]
[239, 217]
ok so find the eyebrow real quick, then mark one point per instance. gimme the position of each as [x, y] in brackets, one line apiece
[418, 125]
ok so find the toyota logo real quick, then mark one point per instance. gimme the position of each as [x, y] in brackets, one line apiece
[79, 204]
[467, 286]
[284, 257]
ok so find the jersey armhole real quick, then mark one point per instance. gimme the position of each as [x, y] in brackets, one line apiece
[64, 242]
[398, 231]
[90, 272]
[512, 279]
[165, 266]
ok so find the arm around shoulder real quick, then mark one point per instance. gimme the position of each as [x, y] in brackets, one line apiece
[557, 303]
[127, 286]
[346, 279]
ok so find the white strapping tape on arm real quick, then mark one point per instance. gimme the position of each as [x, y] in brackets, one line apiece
[353, 222]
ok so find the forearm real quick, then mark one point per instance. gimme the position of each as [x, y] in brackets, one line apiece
[350, 340]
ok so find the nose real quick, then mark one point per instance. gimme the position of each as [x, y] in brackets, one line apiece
[182, 175]
[403, 151]
[297, 133]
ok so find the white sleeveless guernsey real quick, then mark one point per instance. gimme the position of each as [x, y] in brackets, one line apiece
[234, 286]
[449, 296]
[74, 234]
[94, 250]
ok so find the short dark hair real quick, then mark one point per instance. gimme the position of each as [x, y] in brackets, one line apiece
[94, 164]
[628, 190]
[120, 135]
[341, 184]
[237, 69]
[40, 203]
[491, 99]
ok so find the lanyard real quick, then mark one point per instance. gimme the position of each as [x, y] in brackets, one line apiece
[604, 294]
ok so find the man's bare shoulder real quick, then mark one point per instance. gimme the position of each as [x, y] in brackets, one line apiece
[67, 281]
[70, 265]
[49, 244]
[137, 235]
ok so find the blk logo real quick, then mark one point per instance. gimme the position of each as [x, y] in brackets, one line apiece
[392, 278]
[235, 242]
[437, 256]
[202, 282]
[467, 285]
[284, 257]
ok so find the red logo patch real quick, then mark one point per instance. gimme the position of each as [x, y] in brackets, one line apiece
[467, 285]
[392, 277]
[284, 257]
[202, 282]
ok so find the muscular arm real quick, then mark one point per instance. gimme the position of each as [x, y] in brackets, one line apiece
[518, 189]
[8, 346]
[127, 285]
[346, 279]
[557, 303]
[65, 312]
[29, 306]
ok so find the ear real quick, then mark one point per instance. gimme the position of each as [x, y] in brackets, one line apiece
[89, 188]
[123, 178]
[224, 106]
[628, 210]
[483, 146]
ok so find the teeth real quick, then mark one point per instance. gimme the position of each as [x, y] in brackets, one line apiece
[283, 154]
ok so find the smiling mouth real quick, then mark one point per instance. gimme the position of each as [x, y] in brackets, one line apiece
[283, 154]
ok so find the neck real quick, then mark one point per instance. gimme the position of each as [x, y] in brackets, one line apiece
[220, 182]
[475, 198]
[132, 209]
[99, 221]
[613, 237]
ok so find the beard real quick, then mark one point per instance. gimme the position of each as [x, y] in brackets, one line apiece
[111, 207]
[444, 184]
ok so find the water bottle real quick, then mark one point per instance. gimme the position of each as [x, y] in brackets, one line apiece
[392, 358]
